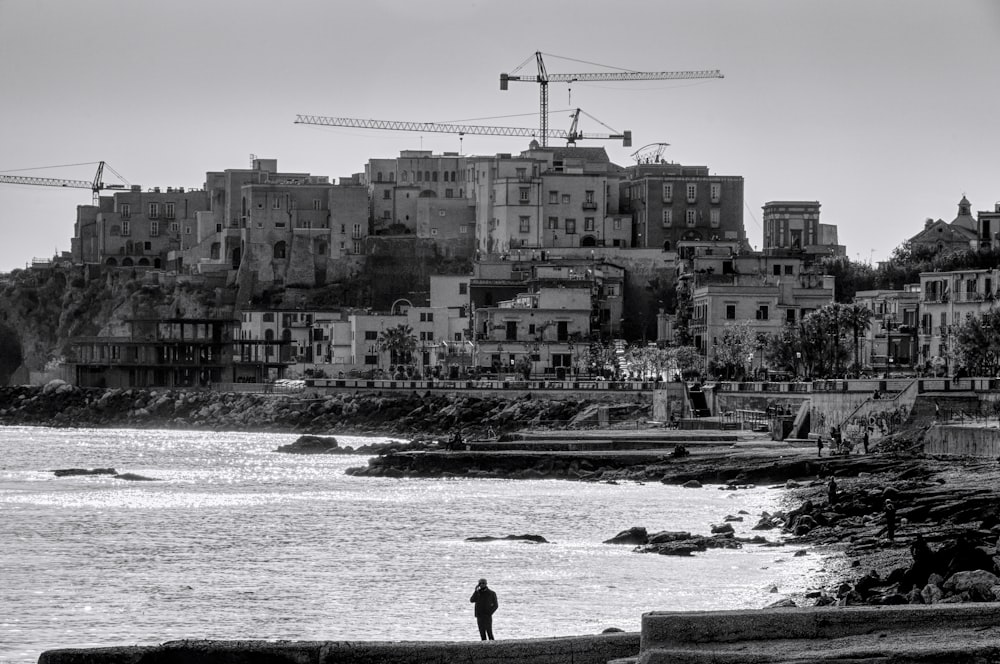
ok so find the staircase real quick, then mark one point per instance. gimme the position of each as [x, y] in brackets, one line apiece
[697, 402]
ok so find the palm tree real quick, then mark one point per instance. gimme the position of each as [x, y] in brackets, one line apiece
[859, 319]
[400, 342]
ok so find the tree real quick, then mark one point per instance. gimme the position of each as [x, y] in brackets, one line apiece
[400, 342]
[735, 350]
[647, 360]
[684, 312]
[977, 344]
[859, 320]
[688, 360]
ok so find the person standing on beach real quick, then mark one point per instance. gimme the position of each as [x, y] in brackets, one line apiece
[864, 441]
[890, 520]
[486, 605]
[832, 491]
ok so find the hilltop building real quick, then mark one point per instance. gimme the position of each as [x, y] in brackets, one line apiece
[962, 232]
[670, 203]
[795, 226]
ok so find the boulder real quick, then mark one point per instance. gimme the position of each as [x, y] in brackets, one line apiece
[692, 484]
[70, 472]
[537, 539]
[665, 536]
[722, 528]
[312, 445]
[978, 584]
[635, 535]
[786, 603]
[931, 594]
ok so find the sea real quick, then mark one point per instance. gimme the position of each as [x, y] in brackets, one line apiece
[230, 539]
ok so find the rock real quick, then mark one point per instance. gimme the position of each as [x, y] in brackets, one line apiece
[635, 536]
[978, 584]
[782, 604]
[722, 528]
[311, 445]
[70, 472]
[537, 539]
[132, 477]
[665, 536]
[730, 517]
[685, 548]
[612, 630]
[692, 484]
[931, 594]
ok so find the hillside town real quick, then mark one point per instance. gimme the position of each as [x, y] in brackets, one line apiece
[557, 264]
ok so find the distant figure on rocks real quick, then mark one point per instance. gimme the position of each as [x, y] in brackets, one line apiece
[831, 489]
[864, 440]
[456, 440]
[819, 446]
[486, 605]
[890, 520]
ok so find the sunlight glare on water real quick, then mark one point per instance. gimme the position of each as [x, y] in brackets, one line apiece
[233, 540]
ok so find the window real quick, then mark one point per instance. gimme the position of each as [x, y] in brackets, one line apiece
[126, 211]
[357, 231]
[668, 192]
[463, 229]
[565, 199]
[147, 246]
[125, 228]
[279, 249]
[525, 194]
[276, 203]
[434, 176]
[715, 217]
[715, 190]
[356, 247]
[154, 228]
[449, 193]
[387, 195]
[790, 269]
[187, 230]
[730, 312]
[789, 315]
[316, 204]
[525, 224]
[378, 178]
[762, 312]
[668, 218]
[588, 197]
[553, 223]
[371, 335]
[776, 269]
[570, 226]
[588, 223]
[522, 173]
[168, 210]
[154, 210]
[174, 227]
[617, 224]
[553, 197]
[690, 217]
[463, 288]
[434, 231]
[692, 192]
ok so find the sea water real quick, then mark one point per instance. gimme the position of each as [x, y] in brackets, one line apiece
[232, 540]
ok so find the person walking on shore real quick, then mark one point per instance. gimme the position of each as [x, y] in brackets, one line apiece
[486, 605]
[832, 491]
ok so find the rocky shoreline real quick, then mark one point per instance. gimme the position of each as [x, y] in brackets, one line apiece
[407, 415]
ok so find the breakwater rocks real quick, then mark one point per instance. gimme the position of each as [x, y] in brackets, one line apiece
[61, 404]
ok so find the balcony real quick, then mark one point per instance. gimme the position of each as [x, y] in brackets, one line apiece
[590, 205]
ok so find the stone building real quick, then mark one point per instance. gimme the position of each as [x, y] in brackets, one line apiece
[891, 342]
[795, 226]
[961, 233]
[670, 203]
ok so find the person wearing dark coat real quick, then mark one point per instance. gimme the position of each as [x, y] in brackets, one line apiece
[832, 491]
[486, 605]
[890, 520]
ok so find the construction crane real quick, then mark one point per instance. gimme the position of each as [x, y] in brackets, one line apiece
[543, 78]
[96, 185]
[571, 136]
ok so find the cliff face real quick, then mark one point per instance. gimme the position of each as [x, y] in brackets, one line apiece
[44, 309]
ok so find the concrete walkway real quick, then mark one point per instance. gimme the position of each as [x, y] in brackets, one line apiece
[939, 633]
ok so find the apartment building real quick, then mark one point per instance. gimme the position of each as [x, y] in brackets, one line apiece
[891, 341]
[671, 203]
[767, 290]
[947, 299]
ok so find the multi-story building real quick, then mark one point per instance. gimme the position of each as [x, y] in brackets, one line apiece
[890, 342]
[177, 352]
[671, 203]
[948, 298]
[137, 228]
[795, 226]
[988, 224]
[547, 198]
[767, 290]
[398, 187]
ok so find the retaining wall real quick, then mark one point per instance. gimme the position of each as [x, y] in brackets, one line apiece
[957, 440]
[597, 649]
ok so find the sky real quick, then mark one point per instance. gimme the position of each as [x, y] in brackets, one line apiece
[886, 112]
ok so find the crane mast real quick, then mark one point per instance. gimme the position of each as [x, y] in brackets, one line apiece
[543, 78]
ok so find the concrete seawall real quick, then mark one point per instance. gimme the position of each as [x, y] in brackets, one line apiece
[957, 440]
[597, 649]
